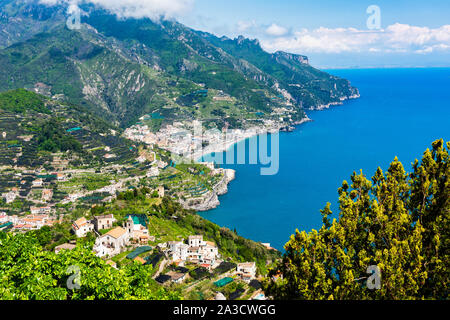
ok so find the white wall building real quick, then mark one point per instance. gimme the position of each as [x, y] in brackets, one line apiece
[246, 271]
[82, 227]
[196, 241]
[111, 243]
[10, 196]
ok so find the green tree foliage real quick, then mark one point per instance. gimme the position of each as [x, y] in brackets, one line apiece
[53, 138]
[398, 222]
[29, 272]
[21, 100]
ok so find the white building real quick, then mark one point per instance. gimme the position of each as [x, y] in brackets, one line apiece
[210, 253]
[37, 183]
[202, 252]
[47, 194]
[40, 210]
[246, 271]
[181, 253]
[196, 241]
[82, 227]
[153, 172]
[111, 243]
[10, 196]
[178, 250]
[196, 251]
[161, 191]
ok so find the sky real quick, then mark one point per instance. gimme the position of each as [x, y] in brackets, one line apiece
[332, 33]
[336, 34]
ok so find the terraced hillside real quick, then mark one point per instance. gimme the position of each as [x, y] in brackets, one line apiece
[33, 138]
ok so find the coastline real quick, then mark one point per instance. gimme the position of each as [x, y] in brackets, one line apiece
[338, 103]
[213, 200]
[248, 134]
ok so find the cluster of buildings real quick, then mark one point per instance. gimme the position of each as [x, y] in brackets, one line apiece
[26, 223]
[29, 183]
[134, 231]
[82, 226]
[191, 141]
[203, 253]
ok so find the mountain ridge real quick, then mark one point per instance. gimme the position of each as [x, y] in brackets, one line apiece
[124, 68]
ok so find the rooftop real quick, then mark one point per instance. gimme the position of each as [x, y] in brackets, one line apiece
[117, 232]
[247, 265]
[66, 246]
[109, 216]
[80, 222]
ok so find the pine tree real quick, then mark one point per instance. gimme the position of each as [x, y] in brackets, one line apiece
[395, 223]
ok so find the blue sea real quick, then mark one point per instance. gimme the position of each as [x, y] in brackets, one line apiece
[400, 113]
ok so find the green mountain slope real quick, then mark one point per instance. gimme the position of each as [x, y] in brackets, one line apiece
[22, 19]
[304, 83]
[123, 69]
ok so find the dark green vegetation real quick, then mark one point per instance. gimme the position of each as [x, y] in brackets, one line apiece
[53, 138]
[29, 272]
[21, 101]
[134, 67]
[398, 222]
[306, 84]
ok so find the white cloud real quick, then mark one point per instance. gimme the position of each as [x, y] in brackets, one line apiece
[243, 26]
[136, 8]
[398, 38]
[276, 30]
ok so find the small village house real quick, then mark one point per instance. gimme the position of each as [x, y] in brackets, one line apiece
[111, 243]
[40, 210]
[82, 227]
[47, 194]
[177, 277]
[161, 191]
[37, 183]
[178, 250]
[196, 241]
[246, 271]
[104, 222]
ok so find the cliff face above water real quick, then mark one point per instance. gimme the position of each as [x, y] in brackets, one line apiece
[211, 199]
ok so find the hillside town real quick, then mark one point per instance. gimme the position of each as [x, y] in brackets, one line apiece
[191, 141]
[175, 260]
